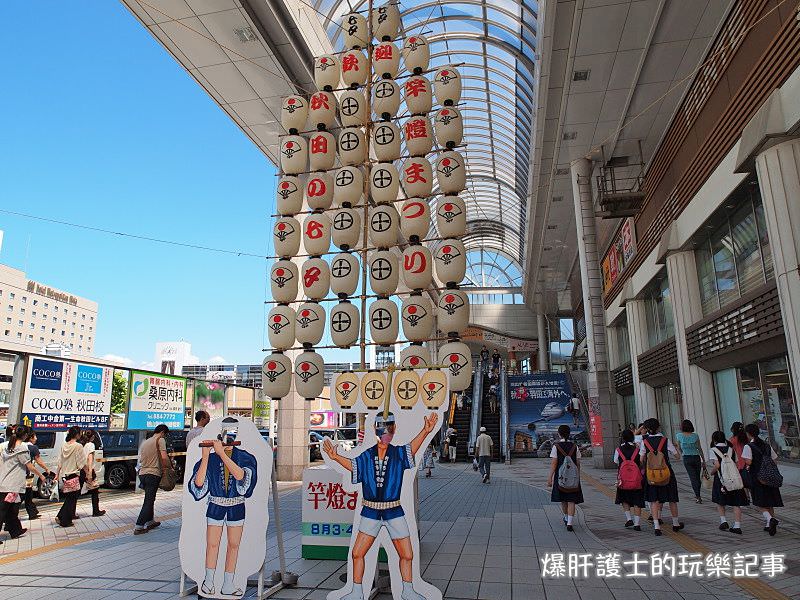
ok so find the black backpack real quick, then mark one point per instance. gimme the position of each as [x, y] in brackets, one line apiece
[768, 473]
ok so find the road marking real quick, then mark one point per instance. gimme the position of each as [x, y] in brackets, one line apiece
[755, 587]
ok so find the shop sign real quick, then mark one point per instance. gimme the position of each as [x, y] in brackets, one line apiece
[619, 255]
[155, 398]
[328, 513]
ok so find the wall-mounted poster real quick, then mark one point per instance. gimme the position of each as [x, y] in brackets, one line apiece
[224, 509]
[210, 397]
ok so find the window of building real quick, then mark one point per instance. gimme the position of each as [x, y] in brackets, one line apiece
[24, 299]
[66, 311]
[11, 307]
[11, 295]
[623, 343]
[22, 311]
[80, 337]
[8, 320]
[63, 332]
[42, 328]
[41, 339]
[72, 335]
[8, 332]
[53, 330]
[20, 323]
[91, 319]
[19, 335]
[83, 327]
[46, 305]
[33, 325]
[660, 325]
[33, 314]
[64, 322]
[73, 324]
[83, 316]
[55, 320]
[35, 302]
[30, 338]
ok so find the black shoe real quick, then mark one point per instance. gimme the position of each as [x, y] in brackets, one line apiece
[629, 523]
[724, 526]
[33, 517]
[735, 530]
[773, 526]
[650, 518]
[637, 528]
[99, 513]
[657, 531]
[20, 534]
[766, 528]
[677, 527]
[570, 528]
[153, 524]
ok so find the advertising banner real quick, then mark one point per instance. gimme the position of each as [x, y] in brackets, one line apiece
[503, 341]
[61, 393]
[156, 398]
[210, 397]
[619, 254]
[324, 420]
[328, 512]
[261, 410]
[538, 404]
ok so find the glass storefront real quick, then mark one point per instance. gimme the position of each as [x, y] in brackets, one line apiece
[761, 393]
[629, 404]
[660, 325]
[669, 404]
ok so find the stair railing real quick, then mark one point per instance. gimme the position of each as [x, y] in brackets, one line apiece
[502, 392]
[477, 401]
[577, 389]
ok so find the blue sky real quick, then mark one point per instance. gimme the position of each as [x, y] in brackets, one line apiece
[102, 127]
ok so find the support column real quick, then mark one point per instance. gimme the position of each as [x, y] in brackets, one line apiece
[544, 344]
[637, 339]
[601, 401]
[697, 385]
[779, 179]
[293, 421]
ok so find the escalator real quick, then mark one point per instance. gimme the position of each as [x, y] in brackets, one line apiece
[491, 419]
[460, 421]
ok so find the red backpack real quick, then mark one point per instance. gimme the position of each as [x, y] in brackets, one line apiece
[629, 476]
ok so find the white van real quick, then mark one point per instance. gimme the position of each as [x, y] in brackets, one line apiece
[49, 444]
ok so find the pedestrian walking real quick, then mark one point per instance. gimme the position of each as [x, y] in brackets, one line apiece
[565, 475]
[485, 358]
[763, 476]
[739, 440]
[36, 459]
[630, 489]
[495, 360]
[452, 442]
[154, 462]
[660, 486]
[15, 463]
[483, 451]
[71, 461]
[428, 460]
[728, 487]
[689, 444]
[89, 474]
[201, 418]
[493, 398]
[574, 408]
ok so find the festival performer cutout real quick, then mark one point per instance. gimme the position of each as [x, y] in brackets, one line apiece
[379, 469]
[226, 476]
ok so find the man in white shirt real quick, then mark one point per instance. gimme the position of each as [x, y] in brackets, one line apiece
[575, 408]
[483, 451]
[202, 418]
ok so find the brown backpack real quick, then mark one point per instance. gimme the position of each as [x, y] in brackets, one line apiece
[656, 468]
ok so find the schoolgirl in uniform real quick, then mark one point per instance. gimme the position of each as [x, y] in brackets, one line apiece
[632, 500]
[719, 495]
[657, 495]
[568, 500]
[765, 498]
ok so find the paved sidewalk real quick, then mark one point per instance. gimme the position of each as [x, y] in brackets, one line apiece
[478, 541]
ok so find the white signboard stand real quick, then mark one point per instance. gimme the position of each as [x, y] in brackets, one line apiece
[224, 509]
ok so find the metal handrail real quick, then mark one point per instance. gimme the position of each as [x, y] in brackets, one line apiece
[504, 424]
[477, 402]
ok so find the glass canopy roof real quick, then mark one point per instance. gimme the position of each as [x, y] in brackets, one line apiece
[493, 44]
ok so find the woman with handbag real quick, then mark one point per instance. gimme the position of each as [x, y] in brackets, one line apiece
[71, 461]
[15, 462]
[88, 475]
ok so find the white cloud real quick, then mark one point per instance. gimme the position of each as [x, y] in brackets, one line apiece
[122, 360]
[216, 360]
[147, 366]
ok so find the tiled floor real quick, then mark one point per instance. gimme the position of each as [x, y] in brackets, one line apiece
[478, 541]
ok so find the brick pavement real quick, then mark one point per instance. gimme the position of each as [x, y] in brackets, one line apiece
[478, 541]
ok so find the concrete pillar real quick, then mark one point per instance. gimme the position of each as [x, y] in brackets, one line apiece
[637, 339]
[697, 385]
[544, 343]
[293, 416]
[601, 401]
[778, 171]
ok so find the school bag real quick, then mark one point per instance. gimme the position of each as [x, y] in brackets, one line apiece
[629, 476]
[568, 480]
[768, 473]
[729, 475]
[656, 469]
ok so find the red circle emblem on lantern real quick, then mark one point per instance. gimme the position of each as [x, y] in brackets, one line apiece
[276, 318]
[449, 298]
[431, 386]
[285, 185]
[446, 162]
[446, 249]
[454, 358]
[290, 145]
[305, 367]
[271, 365]
[281, 226]
[412, 310]
[304, 313]
[345, 386]
[414, 361]
[279, 272]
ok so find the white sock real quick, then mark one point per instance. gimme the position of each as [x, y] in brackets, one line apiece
[767, 516]
[656, 524]
[357, 589]
[227, 583]
[675, 521]
[569, 519]
[408, 586]
[210, 576]
[636, 519]
[722, 519]
[737, 525]
[627, 515]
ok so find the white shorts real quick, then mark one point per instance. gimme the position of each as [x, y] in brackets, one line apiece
[223, 522]
[397, 527]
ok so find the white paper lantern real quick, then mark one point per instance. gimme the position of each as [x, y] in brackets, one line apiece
[286, 237]
[383, 321]
[316, 277]
[451, 173]
[346, 228]
[418, 95]
[456, 357]
[447, 86]
[294, 114]
[322, 110]
[451, 216]
[416, 314]
[345, 271]
[417, 177]
[373, 390]
[348, 186]
[309, 374]
[384, 272]
[433, 388]
[294, 154]
[319, 190]
[354, 68]
[345, 389]
[415, 356]
[417, 269]
[451, 261]
[449, 127]
[386, 21]
[418, 135]
[415, 219]
[386, 141]
[276, 371]
[353, 108]
[384, 183]
[321, 151]
[416, 53]
[345, 324]
[280, 327]
[354, 30]
[405, 385]
[283, 281]
[386, 60]
[452, 312]
[317, 234]
[384, 225]
[309, 323]
[385, 98]
[289, 195]
[326, 72]
[352, 147]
